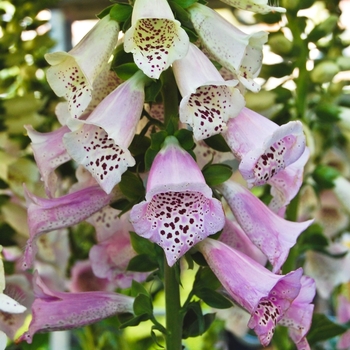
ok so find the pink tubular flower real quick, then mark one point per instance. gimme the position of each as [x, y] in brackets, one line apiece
[155, 38]
[273, 235]
[343, 316]
[72, 74]
[258, 6]
[54, 310]
[49, 153]
[208, 101]
[179, 210]
[263, 147]
[264, 295]
[299, 316]
[46, 215]
[110, 257]
[240, 53]
[101, 144]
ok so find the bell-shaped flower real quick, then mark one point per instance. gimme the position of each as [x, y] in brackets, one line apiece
[240, 53]
[101, 143]
[258, 6]
[46, 215]
[208, 101]
[342, 191]
[179, 210]
[343, 316]
[286, 184]
[273, 235]
[299, 316]
[263, 147]
[49, 153]
[155, 38]
[265, 295]
[328, 271]
[111, 255]
[53, 310]
[72, 74]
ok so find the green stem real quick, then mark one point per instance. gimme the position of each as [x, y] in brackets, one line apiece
[172, 307]
[169, 95]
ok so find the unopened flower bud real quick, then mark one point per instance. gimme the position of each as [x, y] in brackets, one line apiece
[324, 72]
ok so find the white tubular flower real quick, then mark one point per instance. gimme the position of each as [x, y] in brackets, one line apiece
[258, 6]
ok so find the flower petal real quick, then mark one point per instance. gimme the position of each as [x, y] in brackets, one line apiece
[91, 147]
[258, 6]
[268, 231]
[10, 305]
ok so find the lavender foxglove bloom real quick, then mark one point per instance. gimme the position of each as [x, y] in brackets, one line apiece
[263, 147]
[53, 310]
[208, 101]
[155, 38]
[72, 74]
[111, 255]
[240, 53]
[258, 6]
[49, 153]
[273, 235]
[179, 210]
[263, 294]
[46, 215]
[101, 143]
[299, 316]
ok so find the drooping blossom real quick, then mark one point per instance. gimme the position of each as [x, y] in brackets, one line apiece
[299, 315]
[46, 215]
[265, 295]
[263, 147]
[343, 316]
[273, 235]
[258, 6]
[179, 210]
[101, 143]
[208, 101]
[49, 153]
[327, 271]
[71, 310]
[240, 53]
[286, 184]
[111, 255]
[155, 38]
[342, 191]
[72, 74]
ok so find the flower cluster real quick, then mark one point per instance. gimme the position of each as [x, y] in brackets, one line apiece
[145, 178]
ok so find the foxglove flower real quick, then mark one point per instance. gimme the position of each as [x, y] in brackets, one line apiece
[208, 101]
[53, 310]
[155, 38]
[111, 255]
[46, 215]
[258, 6]
[299, 316]
[263, 147]
[343, 316]
[240, 53]
[49, 153]
[286, 184]
[263, 294]
[72, 74]
[101, 144]
[342, 191]
[179, 210]
[273, 235]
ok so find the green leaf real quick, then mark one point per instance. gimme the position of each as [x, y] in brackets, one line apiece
[143, 305]
[216, 174]
[149, 157]
[134, 321]
[121, 12]
[137, 288]
[185, 138]
[218, 143]
[312, 239]
[157, 140]
[205, 278]
[213, 298]
[141, 245]
[323, 29]
[322, 328]
[126, 71]
[185, 3]
[139, 145]
[327, 112]
[104, 12]
[132, 186]
[121, 57]
[142, 263]
[152, 91]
